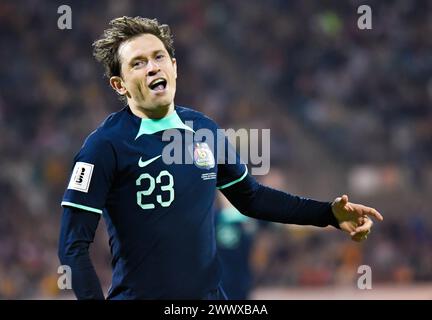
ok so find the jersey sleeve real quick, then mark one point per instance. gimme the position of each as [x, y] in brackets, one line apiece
[91, 176]
[231, 169]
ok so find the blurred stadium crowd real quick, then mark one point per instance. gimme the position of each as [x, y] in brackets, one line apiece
[349, 111]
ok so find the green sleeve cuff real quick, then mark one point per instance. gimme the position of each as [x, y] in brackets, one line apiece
[235, 181]
[80, 206]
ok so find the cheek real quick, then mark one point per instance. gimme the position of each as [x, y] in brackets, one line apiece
[137, 84]
[136, 87]
[173, 79]
[142, 90]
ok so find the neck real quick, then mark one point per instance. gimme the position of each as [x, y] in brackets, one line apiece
[158, 113]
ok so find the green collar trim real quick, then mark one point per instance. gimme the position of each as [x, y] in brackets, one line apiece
[150, 126]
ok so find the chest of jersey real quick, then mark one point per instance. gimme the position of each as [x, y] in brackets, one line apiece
[161, 173]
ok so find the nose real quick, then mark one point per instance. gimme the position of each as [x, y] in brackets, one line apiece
[152, 68]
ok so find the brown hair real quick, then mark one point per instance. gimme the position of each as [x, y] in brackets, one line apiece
[123, 29]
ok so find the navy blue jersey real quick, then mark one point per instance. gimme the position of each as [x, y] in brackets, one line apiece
[159, 216]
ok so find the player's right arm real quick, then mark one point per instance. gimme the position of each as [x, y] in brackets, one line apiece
[83, 203]
[77, 232]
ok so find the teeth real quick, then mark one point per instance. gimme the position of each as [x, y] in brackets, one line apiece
[157, 82]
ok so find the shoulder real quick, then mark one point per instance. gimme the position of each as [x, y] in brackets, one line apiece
[200, 120]
[105, 134]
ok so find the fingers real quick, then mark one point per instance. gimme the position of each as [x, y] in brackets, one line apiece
[358, 237]
[364, 228]
[367, 211]
[344, 200]
[361, 232]
[374, 213]
[358, 215]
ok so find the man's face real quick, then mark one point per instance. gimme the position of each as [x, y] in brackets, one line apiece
[148, 74]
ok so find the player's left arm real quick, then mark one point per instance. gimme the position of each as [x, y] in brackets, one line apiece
[261, 202]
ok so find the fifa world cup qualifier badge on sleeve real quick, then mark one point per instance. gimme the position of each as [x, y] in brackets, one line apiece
[81, 176]
[203, 156]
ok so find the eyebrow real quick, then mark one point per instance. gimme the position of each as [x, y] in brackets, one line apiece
[140, 55]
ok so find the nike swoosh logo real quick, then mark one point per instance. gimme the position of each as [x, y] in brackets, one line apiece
[143, 164]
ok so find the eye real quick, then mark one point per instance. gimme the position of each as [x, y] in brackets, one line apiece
[138, 63]
[160, 57]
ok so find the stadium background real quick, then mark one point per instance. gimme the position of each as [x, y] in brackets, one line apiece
[349, 111]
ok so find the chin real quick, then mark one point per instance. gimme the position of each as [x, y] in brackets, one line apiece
[160, 106]
[163, 102]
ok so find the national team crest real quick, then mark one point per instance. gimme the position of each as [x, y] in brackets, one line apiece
[203, 156]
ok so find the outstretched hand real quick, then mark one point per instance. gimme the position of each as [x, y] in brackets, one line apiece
[354, 218]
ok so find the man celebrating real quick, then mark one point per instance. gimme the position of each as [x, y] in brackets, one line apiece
[159, 215]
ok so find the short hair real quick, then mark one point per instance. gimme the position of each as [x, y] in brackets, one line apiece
[122, 29]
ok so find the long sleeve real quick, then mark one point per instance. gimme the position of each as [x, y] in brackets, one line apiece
[257, 201]
[77, 231]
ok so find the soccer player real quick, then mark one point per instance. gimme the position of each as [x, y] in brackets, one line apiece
[159, 215]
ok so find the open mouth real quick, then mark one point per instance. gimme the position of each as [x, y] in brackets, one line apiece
[158, 84]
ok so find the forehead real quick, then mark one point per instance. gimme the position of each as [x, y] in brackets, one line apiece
[141, 45]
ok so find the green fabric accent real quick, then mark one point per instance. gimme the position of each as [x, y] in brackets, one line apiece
[228, 236]
[79, 206]
[235, 181]
[232, 215]
[150, 126]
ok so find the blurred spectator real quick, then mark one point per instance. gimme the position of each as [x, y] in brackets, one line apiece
[234, 238]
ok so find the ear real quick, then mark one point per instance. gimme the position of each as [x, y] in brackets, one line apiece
[174, 62]
[117, 84]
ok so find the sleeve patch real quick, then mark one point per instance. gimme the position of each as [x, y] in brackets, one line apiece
[81, 176]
